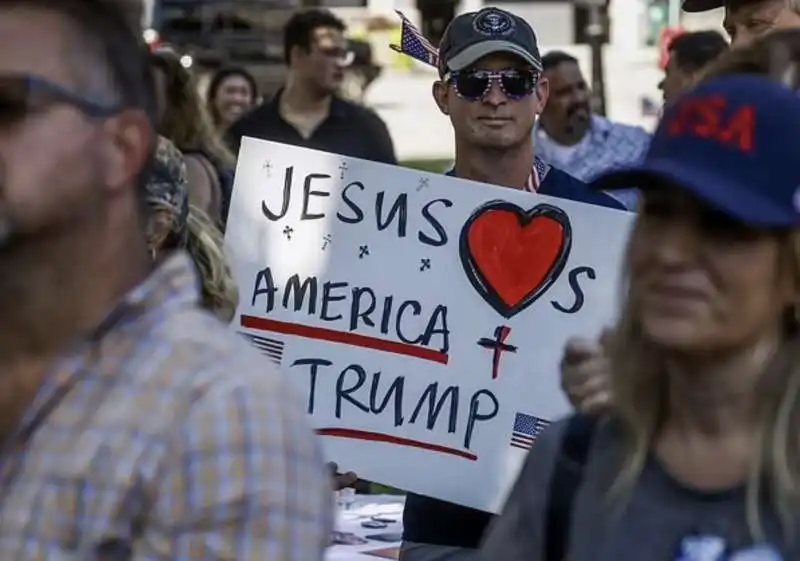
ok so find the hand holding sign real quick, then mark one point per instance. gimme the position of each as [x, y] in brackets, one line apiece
[585, 374]
[341, 480]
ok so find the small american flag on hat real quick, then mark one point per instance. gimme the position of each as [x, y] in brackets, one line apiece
[414, 44]
[526, 429]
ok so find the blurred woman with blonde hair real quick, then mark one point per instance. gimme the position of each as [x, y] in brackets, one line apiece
[186, 122]
[697, 456]
[584, 367]
[175, 224]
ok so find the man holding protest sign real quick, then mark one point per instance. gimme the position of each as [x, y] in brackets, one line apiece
[491, 88]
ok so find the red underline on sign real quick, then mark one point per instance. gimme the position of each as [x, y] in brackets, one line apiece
[352, 339]
[356, 434]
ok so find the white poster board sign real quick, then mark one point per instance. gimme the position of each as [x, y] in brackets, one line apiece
[421, 316]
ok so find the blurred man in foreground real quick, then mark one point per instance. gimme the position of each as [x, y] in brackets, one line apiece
[133, 423]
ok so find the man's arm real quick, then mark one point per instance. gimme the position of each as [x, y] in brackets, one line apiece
[243, 480]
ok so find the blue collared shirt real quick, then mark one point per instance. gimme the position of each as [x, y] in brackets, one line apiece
[608, 146]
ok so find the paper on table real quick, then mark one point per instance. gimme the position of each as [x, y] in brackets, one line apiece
[386, 553]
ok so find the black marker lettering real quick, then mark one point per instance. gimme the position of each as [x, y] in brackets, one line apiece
[343, 393]
[308, 193]
[287, 193]
[268, 289]
[416, 309]
[314, 363]
[386, 317]
[395, 389]
[328, 297]
[475, 414]
[399, 209]
[358, 213]
[440, 238]
[294, 288]
[576, 289]
[428, 398]
[437, 325]
[359, 311]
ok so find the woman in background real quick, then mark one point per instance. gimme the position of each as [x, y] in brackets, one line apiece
[174, 224]
[232, 92]
[185, 121]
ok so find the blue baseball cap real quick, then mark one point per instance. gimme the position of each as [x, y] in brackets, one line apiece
[733, 142]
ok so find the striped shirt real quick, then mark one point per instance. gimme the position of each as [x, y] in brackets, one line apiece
[166, 435]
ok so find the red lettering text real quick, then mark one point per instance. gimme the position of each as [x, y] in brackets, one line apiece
[708, 117]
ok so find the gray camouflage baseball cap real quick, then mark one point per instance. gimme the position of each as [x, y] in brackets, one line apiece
[474, 35]
[167, 183]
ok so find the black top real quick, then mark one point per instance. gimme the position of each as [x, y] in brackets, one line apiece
[349, 130]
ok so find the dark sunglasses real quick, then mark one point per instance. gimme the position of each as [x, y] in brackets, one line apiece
[473, 85]
[24, 94]
[339, 54]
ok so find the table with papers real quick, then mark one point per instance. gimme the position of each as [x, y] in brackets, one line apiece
[364, 509]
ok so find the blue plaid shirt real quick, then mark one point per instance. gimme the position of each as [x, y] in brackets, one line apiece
[609, 146]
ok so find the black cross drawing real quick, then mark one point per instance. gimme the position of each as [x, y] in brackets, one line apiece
[362, 251]
[423, 183]
[342, 169]
[498, 346]
[288, 231]
[267, 167]
[326, 241]
[425, 264]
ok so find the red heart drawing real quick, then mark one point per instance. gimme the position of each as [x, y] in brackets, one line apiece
[511, 255]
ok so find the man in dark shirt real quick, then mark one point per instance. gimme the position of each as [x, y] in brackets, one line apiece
[306, 111]
[491, 88]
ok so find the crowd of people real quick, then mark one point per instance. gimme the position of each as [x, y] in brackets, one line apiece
[137, 425]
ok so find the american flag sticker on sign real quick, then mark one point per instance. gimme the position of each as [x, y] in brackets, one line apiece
[271, 348]
[526, 429]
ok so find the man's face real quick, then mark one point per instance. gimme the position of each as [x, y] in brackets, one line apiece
[324, 64]
[747, 21]
[494, 119]
[58, 167]
[569, 107]
[675, 80]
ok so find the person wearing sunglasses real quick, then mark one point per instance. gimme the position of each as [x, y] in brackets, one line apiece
[490, 86]
[308, 111]
[132, 420]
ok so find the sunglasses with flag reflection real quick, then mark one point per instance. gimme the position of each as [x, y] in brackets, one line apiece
[474, 84]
